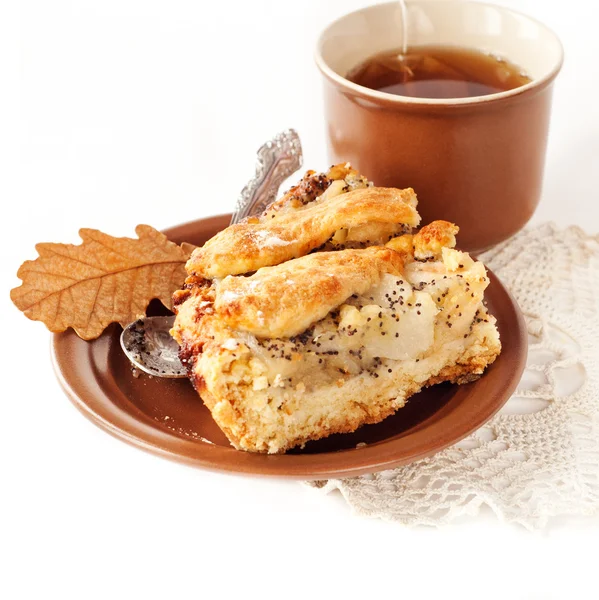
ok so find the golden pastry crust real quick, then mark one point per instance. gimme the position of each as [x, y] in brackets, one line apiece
[322, 343]
[428, 242]
[432, 238]
[284, 300]
[248, 246]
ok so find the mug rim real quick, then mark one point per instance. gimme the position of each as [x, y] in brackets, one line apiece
[394, 99]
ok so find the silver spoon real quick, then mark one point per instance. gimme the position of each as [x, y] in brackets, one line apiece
[276, 160]
[147, 342]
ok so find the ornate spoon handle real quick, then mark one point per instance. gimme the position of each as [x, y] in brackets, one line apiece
[277, 159]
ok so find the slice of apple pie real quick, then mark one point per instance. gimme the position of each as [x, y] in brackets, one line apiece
[309, 320]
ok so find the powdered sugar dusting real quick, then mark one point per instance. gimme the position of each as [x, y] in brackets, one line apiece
[267, 239]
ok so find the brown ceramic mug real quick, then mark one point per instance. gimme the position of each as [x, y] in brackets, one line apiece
[478, 161]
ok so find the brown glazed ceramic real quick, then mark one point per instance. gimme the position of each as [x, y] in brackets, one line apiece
[166, 416]
[477, 162]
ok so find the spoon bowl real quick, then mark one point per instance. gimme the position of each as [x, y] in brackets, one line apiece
[148, 344]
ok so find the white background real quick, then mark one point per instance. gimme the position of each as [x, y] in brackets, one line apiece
[117, 112]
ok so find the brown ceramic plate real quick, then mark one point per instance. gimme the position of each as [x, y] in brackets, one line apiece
[166, 417]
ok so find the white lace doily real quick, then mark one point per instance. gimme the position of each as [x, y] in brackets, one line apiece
[538, 457]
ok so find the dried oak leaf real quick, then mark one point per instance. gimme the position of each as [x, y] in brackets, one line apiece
[104, 280]
[188, 248]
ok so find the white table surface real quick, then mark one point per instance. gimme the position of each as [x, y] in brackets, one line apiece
[127, 111]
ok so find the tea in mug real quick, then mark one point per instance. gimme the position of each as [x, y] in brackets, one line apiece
[438, 72]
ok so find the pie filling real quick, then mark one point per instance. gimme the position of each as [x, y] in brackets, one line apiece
[428, 311]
